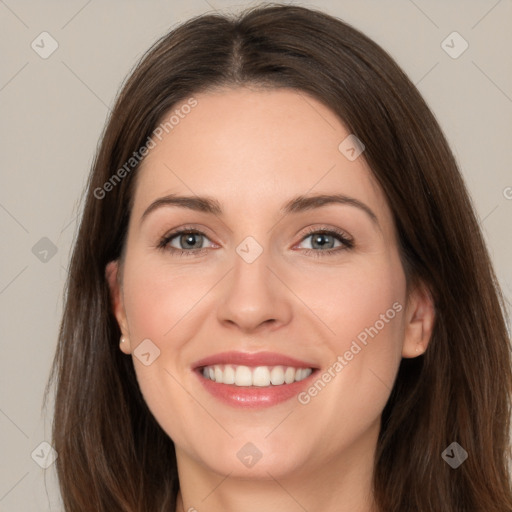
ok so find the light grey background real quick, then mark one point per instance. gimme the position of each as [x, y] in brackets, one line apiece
[53, 112]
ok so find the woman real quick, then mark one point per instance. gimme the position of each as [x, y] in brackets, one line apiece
[279, 297]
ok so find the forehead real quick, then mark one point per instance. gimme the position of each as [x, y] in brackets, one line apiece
[254, 149]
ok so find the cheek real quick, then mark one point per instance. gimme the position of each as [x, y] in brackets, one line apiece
[162, 304]
[369, 324]
[158, 303]
[358, 302]
[369, 309]
[365, 311]
[157, 299]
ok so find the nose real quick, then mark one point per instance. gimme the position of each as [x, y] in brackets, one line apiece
[254, 298]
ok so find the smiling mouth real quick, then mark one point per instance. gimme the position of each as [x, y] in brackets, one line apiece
[258, 376]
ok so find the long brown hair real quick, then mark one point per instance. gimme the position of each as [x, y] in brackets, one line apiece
[112, 454]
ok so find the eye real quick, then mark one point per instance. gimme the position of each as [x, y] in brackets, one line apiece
[184, 242]
[326, 241]
[190, 242]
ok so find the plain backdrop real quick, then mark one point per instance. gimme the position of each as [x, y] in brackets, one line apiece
[53, 111]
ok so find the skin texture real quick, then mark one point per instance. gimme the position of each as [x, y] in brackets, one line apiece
[254, 150]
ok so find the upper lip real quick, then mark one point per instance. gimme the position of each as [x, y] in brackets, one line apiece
[252, 359]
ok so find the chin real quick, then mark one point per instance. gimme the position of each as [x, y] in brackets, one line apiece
[260, 459]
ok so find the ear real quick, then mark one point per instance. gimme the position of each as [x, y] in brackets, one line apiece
[112, 276]
[419, 322]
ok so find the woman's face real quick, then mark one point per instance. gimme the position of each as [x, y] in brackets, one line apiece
[275, 286]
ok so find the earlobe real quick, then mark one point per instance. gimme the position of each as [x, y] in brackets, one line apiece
[117, 304]
[124, 345]
[419, 318]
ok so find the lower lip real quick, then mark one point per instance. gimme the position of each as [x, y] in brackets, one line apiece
[253, 396]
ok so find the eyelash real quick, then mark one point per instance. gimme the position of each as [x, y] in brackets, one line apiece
[347, 242]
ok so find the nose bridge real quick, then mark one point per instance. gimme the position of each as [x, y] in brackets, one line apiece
[252, 295]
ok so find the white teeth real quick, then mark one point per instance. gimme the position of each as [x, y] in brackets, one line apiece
[243, 376]
[302, 374]
[277, 376]
[217, 371]
[228, 376]
[260, 376]
[289, 375]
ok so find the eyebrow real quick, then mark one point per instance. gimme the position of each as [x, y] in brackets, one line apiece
[297, 204]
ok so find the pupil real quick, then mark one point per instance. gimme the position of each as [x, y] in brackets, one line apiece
[321, 240]
[189, 238]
